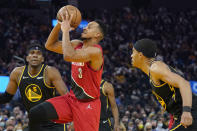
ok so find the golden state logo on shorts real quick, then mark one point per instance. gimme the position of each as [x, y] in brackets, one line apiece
[33, 93]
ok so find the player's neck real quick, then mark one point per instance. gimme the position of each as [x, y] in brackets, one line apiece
[145, 67]
[90, 42]
[34, 70]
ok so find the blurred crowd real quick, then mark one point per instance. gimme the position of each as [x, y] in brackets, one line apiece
[12, 119]
[173, 31]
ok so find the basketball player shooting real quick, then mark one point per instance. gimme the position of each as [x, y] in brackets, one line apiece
[82, 105]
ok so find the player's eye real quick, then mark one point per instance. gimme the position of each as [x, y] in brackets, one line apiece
[31, 52]
[39, 53]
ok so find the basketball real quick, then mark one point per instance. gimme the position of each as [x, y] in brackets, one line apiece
[76, 19]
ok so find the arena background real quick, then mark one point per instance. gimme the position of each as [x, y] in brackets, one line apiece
[173, 24]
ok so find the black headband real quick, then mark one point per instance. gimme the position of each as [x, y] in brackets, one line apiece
[36, 48]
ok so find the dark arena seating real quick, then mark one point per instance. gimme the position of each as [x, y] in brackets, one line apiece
[175, 31]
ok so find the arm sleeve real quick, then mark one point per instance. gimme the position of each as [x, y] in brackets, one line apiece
[5, 97]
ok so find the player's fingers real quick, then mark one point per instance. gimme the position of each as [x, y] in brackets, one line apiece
[188, 120]
[70, 19]
[185, 123]
[63, 16]
[67, 15]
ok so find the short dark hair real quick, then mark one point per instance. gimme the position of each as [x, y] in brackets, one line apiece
[147, 46]
[102, 27]
[35, 46]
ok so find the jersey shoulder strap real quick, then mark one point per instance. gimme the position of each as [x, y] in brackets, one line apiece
[102, 83]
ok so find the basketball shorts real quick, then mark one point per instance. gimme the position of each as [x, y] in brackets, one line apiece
[85, 115]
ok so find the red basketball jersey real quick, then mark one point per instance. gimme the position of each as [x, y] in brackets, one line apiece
[85, 81]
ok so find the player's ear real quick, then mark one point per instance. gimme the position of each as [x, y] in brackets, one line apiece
[27, 58]
[140, 54]
[42, 59]
[98, 35]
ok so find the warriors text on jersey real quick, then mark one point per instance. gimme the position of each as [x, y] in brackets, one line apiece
[34, 89]
[85, 81]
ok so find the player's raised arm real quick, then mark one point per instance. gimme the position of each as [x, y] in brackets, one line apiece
[53, 43]
[85, 53]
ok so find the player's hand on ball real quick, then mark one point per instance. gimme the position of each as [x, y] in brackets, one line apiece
[186, 119]
[65, 24]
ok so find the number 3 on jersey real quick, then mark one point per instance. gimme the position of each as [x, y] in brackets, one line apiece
[80, 73]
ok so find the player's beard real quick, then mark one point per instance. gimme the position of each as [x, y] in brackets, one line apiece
[84, 39]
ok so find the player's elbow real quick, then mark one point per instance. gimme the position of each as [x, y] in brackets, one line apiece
[67, 57]
[186, 82]
[183, 83]
[47, 46]
[50, 48]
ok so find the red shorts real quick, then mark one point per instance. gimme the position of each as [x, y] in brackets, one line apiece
[85, 115]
